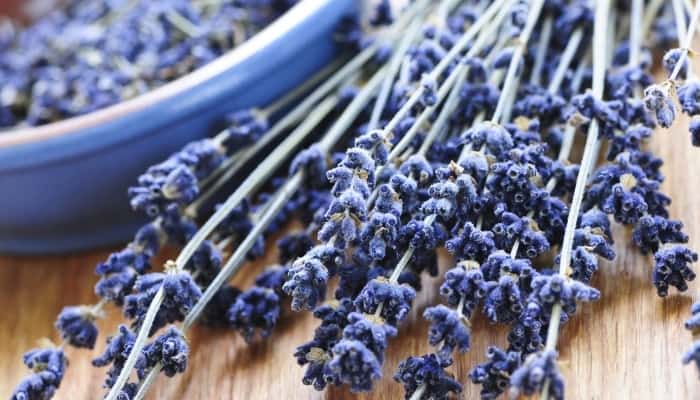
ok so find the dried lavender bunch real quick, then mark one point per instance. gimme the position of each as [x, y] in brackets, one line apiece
[173, 201]
[422, 172]
[628, 201]
[331, 358]
[306, 164]
[84, 56]
[531, 301]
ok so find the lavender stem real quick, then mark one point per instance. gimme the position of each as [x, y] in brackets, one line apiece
[686, 44]
[589, 156]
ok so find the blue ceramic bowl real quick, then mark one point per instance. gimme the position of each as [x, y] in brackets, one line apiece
[63, 185]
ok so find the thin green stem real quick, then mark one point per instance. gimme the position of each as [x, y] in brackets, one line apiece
[651, 11]
[446, 61]
[687, 42]
[394, 66]
[445, 113]
[545, 35]
[320, 77]
[566, 58]
[679, 15]
[509, 84]
[589, 156]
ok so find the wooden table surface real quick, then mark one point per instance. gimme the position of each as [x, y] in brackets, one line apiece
[628, 345]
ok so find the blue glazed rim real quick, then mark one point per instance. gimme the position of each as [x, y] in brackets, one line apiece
[269, 64]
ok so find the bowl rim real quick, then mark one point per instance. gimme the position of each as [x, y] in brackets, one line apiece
[269, 35]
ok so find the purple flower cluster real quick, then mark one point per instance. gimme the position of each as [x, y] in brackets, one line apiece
[48, 366]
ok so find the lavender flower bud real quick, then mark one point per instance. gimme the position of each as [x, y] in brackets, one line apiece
[77, 326]
[427, 373]
[530, 377]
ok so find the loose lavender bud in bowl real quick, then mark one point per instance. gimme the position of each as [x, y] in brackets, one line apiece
[85, 163]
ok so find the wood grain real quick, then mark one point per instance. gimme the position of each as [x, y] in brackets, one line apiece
[626, 346]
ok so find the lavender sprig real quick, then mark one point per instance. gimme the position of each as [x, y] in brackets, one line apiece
[378, 294]
[545, 386]
[293, 183]
[261, 173]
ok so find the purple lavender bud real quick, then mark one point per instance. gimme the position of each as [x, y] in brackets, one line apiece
[607, 113]
[530, 377]
[494, 374]
[383, 14]
[549, 290]
[693, 323]
[694, 129]
[576, 15]
[527, 334]
[355, 365]
[427, 373]
[370, 331]
[419, 167]
[180, 294]
[503, 302]
[245, 128]
[671, 58]
[471, 243]
[443, 201]
[478, 70]
[116, 353]
[500, 262]
[476, 98]
[308, 276]
[170, 350]
[631, 140]
[255, 309]
[666, 114]
[214, 313]
[671, 268]
[77, 326]
[178, 228]
[49, 366]
[49, 359]
[396, 300]
[313, 162]
[594, 241]
[272, 278]
[421, 235]
[449, 329]
[317, 353]
[175, 180]
[429, 96]
[583, 264]
[206, 261]
[380, 234]
[657, 99]
[652, 231]
[503, 58]
[117, 275]
[128, 392]
[464, 283]
[625, 80]
[624, 204]
[689, 97]
[495, 137]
